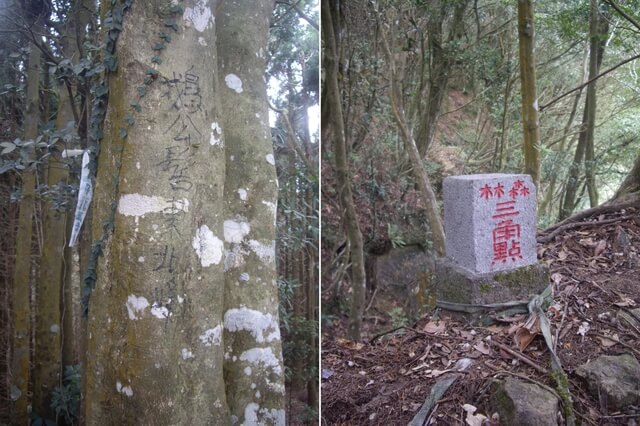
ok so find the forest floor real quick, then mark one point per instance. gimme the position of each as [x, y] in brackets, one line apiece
[594, 265]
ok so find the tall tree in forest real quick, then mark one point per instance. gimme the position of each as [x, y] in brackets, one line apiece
[332, 118]
[179, 333]
[35, 14]
[442, 50]
[598, 30]
[530, 124]
[420, 174]
[53, 298]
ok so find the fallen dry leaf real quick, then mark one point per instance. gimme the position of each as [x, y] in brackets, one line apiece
[473, 419]
[606, 342]
[482, 347]
[625, 302]
[349, 344]
[435, 327]
[584, 328]
[600, 247]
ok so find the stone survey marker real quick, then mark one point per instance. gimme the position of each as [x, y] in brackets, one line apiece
[490, 221]
[490, 227]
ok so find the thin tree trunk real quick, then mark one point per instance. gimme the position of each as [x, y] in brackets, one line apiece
[420, 174]
[22, 278]
[343, 178]
[584, 149]
[531, 129]
[599, 29]
[440, 68]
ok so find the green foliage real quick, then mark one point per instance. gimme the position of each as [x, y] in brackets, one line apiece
[395, 236]
[65, 399]
[398, 317]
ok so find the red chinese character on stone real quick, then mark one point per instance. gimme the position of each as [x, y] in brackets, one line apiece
[500, 251]
[499, 190]
[513, 192]
[518, 184]
[505, 209]
[524, 191]
[514, 251]
[505, 241]
[485, 192]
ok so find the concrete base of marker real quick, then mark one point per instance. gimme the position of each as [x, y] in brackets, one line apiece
[454, 284]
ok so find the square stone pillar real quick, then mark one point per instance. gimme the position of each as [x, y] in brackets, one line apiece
[490, 227]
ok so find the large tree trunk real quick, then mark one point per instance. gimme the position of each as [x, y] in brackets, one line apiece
[22, 276]
[179, 334]
[254, 372]
[332, 111]
[531, 128]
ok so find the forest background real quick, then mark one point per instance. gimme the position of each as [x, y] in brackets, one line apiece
[419, 90]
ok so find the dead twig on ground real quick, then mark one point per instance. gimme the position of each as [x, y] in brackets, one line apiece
[520, 356]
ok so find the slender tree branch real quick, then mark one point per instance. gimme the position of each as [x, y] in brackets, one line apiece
[602, 74]
[291, 139]
[300, 12]
[624, 14]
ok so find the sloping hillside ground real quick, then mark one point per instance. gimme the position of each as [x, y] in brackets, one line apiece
[594, 267]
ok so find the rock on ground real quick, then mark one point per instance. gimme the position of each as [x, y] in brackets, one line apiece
[524, 404]
[613, 379]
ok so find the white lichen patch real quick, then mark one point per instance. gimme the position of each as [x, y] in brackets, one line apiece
[235, 230]
[270, 159]
[242, 194]
[258, 394]
[234, 258]
[262, 356]
[244, 277]
[273, 416]
[199, 15]
[160, 312]
[125, 390]
[212, 336]
[233, 82]
[255, 322]
[141, 259]
[266, 252]
[138, 165]
[251, 414]
[215, 138]
[139, 205]
[202, 41]
[186, 354]
[275, 386]
[135, 306]
[208, 247]
[247, 371]
[54, 328]
[271, 206]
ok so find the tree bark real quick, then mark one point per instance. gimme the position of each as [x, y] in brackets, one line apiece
[53, 298]
[183, 322]
[255, 385]
[531, 128]
[22, 273]
[584, 150]
[334, 120]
